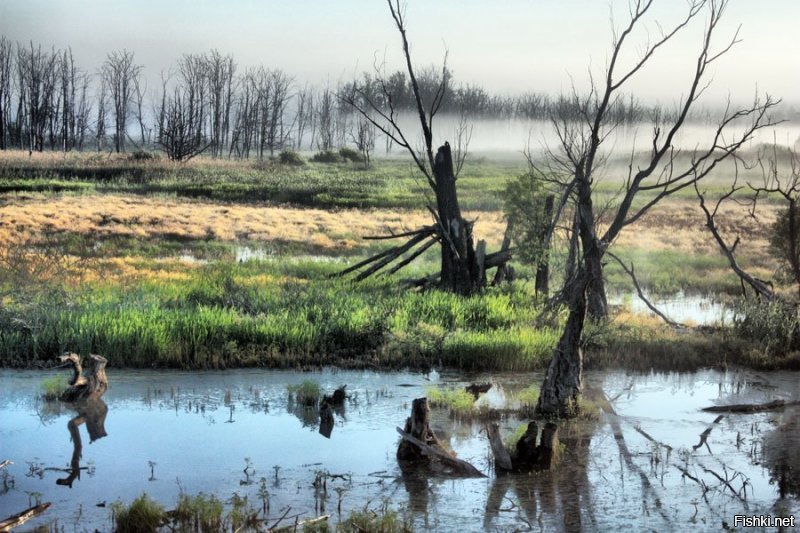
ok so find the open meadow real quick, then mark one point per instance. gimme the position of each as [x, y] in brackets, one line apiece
[218, 263]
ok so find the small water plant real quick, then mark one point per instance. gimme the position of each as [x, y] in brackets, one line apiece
[53, 387]
[143, 515]
[199, 513]
[306, 393]
[457, 401]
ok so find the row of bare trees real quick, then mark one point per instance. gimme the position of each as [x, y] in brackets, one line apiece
[206, 104]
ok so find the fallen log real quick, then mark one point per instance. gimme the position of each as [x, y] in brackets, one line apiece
[20, 518]
[751, 407]
[461, 467]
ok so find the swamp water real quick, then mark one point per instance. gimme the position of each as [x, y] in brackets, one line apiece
[222, 432]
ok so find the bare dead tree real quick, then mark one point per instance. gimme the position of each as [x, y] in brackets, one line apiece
[783, 184]
[303, 115]
[102, 110]
[463, 265]
[326, 120]
[363, 136]
[119, 72]
[580, 159]
[36, 80]
[220, 75]
[6, 87]
[180, 137]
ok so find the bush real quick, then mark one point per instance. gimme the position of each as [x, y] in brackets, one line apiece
[291, 158]
[348, 154]
[327, 156]
[141, 155]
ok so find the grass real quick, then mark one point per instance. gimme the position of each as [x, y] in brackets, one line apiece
[307, 393]
[384, 521]
[143, 515]
[53, 387]
[150, 313]
[116, 280]
[457, 401]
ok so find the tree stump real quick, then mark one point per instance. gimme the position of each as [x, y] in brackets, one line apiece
[85, 387]
[528, 455]
[420, 447]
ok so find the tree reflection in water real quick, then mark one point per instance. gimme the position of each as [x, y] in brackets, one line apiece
[93, 413]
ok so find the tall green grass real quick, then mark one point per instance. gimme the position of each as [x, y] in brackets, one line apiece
[226, 315]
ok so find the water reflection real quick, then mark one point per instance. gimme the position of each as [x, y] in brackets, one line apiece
[781, 452]
[549, 499]
[93, 413]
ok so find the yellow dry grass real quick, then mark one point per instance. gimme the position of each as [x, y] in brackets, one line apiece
[98, 216]
[678, 224]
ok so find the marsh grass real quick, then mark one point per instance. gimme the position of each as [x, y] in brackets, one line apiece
[154, 313]
[458, 402]
[143, 515]
[199, 513]
[53, 387]
[307, 393]
[382, 521]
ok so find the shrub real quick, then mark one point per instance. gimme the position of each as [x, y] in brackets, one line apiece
[348, 154]
[291, 158]
[327, 156]
[141, 155]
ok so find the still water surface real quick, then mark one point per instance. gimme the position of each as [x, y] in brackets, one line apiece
[172, 431]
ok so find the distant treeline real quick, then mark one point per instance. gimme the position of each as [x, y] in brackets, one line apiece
[208, 104]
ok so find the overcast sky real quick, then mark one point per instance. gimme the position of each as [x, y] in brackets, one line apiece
[508, 46]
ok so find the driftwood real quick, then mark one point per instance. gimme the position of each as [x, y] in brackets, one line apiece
[751, 407]
[420, 445]
[85, 386]
[528, 455]
[20, 518]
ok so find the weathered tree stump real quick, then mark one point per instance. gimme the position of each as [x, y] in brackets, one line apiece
[85, 387]
[418, 426]
[528, 455]
[420, 447]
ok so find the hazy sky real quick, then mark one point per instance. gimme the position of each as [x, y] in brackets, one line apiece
[507, 46]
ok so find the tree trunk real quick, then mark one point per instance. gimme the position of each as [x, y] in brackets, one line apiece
[462, 269]
[562, 382]
[542, 285]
